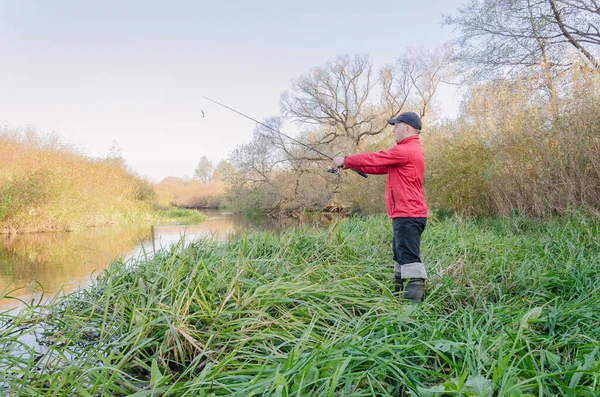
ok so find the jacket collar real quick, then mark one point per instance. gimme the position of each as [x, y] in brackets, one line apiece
[409, 139]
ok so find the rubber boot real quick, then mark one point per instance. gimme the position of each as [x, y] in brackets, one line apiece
[398, 285]
[415, 290]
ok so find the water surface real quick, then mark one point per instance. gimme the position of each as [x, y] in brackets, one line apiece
[36, 266]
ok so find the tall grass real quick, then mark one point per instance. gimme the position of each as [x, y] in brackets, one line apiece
[189, 193]
[47, 185]
[513, 310]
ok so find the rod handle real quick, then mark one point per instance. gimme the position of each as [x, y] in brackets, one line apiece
[360, 173]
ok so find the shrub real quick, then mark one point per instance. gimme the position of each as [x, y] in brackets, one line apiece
[46, 185]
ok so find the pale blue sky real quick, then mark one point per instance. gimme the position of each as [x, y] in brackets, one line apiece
[135, 71]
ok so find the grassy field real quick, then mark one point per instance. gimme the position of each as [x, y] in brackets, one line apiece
[513, 309]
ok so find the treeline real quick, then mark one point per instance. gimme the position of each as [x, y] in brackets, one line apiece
[47, 185]
[527, 137]
[190, 193]
[511, 150]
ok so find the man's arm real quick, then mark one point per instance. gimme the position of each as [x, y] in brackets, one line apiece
[372, 170]
[393, 157]
[373, 162]
[339, 162]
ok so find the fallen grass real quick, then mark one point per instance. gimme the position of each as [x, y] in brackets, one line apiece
[513, 310]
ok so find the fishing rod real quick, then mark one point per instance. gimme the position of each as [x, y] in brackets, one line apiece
[332, 170]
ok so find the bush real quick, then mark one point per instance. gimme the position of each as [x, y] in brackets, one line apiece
[189, 193]
[507, 153]
[46, 185]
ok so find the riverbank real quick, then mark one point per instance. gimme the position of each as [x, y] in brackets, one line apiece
[44, 264]
[47, 185]
[147, 216]
[512, 309]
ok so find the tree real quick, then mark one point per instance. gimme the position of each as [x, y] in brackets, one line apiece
[258, 159]
[578, 22]
[223, 171]
[254, 182]
[511, 35]
[344, 104]
[422, 71]
[342, 107]
[204, 170]
[338, 98]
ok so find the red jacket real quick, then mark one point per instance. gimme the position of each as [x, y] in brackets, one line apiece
[405, 167]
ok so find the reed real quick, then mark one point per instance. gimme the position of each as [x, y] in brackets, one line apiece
[513, 310]
[189, 193]
[46, 185]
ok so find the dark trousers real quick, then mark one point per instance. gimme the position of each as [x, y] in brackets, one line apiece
[406, 243]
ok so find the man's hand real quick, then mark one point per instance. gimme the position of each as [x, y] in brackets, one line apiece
[338, 161]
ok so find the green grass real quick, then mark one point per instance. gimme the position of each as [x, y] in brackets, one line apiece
[513, 310]
[180, 215]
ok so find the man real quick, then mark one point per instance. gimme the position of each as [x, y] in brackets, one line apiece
[404, 199]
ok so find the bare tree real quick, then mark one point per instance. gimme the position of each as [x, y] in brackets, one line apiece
[510, 35]
[340, 106]
[338, 98]
[288, 149]
[396, 89]
[258, 159]
[343, 103]
[578, 21]
[423, 71]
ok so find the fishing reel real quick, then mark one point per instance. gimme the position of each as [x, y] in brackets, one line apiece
[336, 171]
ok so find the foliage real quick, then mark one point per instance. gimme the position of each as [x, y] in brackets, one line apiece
[180, 215]
[222, 170]
[506, 153]
[526, 142]
[47, 185]
[184, 193]
[513, 148]
[205, 169]
[526, 139]
[512, 310]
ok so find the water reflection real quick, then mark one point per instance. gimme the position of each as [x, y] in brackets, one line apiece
[39, 265]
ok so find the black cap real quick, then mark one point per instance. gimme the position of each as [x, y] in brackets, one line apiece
[410, 118]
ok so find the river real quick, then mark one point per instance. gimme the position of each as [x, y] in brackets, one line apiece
[36, 266]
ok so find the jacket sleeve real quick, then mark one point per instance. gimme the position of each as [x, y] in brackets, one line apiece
[393, 157]
[371, 170]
